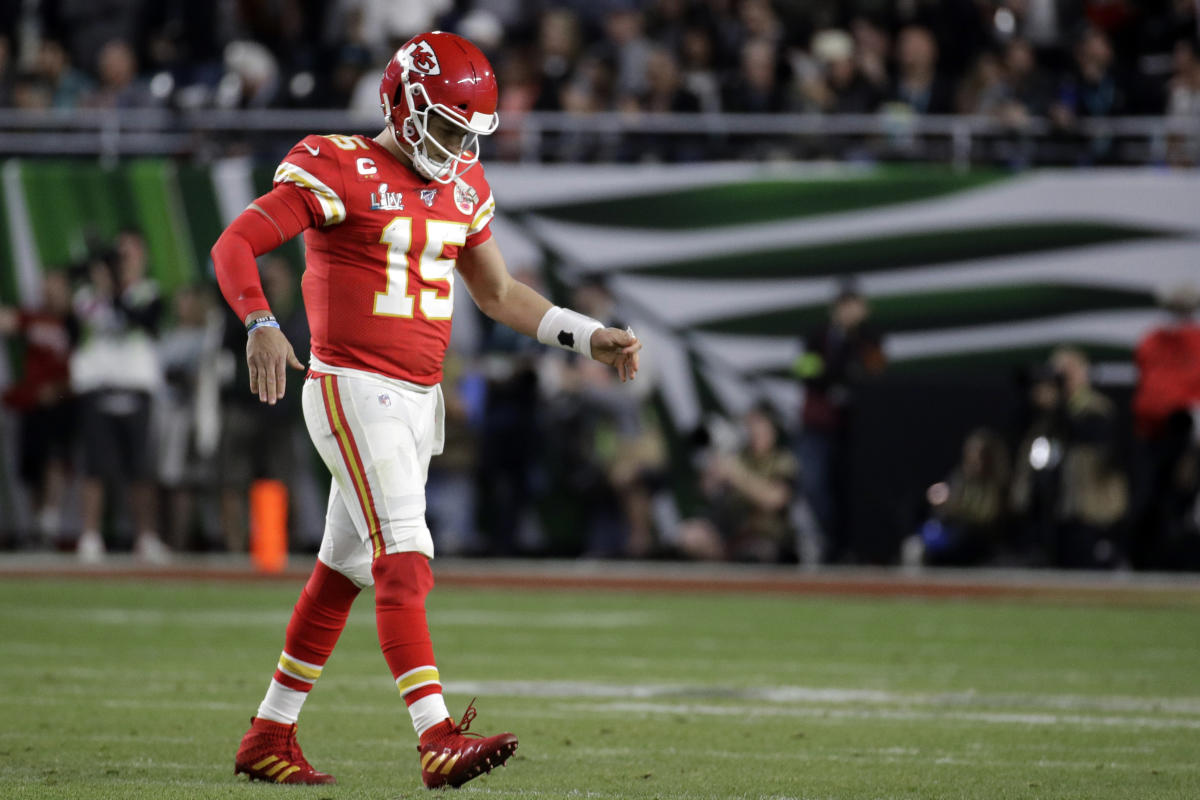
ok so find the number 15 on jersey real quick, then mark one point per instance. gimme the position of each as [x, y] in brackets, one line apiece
[432, 266]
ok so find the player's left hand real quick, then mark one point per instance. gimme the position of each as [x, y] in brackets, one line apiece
[617, 348]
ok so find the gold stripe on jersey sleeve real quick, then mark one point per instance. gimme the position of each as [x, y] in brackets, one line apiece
[331, 205]
[488, 211]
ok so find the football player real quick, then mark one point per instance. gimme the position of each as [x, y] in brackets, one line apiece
[389, 223]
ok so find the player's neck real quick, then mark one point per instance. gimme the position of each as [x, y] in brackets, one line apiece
[388, 142]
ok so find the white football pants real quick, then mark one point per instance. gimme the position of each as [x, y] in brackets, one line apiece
[376, 436]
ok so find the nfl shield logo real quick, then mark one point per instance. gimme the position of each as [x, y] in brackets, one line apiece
[428, 196]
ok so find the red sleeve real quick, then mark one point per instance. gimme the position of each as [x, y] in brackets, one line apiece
[313, 165]
[270, 221]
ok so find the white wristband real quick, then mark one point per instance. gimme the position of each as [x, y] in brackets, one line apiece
[570, 330]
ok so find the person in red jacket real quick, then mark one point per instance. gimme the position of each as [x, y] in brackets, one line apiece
[390, 223]
[42, 396]
[1166, 408]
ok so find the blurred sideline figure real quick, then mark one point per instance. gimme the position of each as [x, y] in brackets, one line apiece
[115, 372]
[747, 498]
[261, 441]
[969, 509]
[189, 416]
[42, 399]
[389, 223]
[1166, 409]
[1067, 483]
[837, 355]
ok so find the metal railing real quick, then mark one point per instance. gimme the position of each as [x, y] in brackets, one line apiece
[613, 136]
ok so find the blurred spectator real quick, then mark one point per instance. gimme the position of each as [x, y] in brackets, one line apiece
[698, 67]
[1166, 409]
[509, 439]
[968, 510]
[747, 499]
[251, 76]
[918, 85]
[42, 398]
[627, 49]
[450, 490]
[86, 27]
[1183, 101]
[761, 84]
[387, 23]
[558, 48]
[837, 356]
[837, 86]
[666, 93]
[355, 76]
[68, 86]
[1092, 88]
[30, 92]
[627, 443]
[115, 372]
[604, 457]
[1029, 88]
[1184, 88]
[119, 86]
[189, 416]
[872, 48]
[259, 440]
[757, 20]
[1066, 468]
[985, 90]
[6, 76]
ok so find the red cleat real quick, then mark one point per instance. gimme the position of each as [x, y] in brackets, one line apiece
[450, 756]
[270, 752]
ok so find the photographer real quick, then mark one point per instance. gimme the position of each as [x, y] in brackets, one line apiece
[115, 372]
[1067, 485]
[747, 497]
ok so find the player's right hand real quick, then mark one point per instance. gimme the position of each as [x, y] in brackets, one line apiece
[269, 354]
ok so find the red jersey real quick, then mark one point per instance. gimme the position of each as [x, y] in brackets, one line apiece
[47, 360]
[379, 278]
[1168, 361]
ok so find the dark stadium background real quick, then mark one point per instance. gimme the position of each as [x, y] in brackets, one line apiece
[997, 179]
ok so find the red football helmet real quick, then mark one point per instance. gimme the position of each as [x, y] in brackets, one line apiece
[446, 74]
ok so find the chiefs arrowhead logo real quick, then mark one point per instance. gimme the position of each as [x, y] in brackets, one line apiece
[423, 59]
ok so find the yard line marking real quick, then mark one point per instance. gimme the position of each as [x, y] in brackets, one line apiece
[850, 754]
[903, 715]
[830, 695]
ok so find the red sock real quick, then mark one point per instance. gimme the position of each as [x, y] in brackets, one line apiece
[317, 622]
[402, 580]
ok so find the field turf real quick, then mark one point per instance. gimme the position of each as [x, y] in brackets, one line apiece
[130, 689]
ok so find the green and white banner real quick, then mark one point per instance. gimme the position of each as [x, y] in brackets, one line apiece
[721, 268]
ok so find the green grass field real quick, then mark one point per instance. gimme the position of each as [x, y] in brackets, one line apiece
[142, 690]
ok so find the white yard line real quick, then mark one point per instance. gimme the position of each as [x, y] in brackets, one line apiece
[1025, 719]
[830, 695]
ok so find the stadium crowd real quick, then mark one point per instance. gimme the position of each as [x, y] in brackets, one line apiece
[1012, 59]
